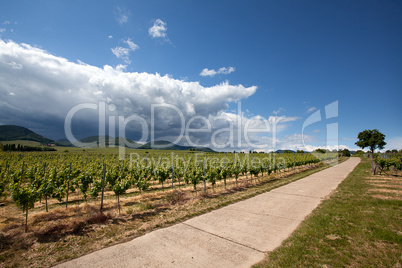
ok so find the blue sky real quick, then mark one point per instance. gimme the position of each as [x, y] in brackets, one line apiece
[276, 58]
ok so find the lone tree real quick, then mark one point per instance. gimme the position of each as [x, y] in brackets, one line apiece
[372, 139]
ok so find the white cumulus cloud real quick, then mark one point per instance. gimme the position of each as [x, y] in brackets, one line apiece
[213, 72]
[41, 94]
[207, 72]
[124, 52]
[130, 44]
[122, 15]
[225, 70]
[311, 109]
[281, 109]
[158, 30]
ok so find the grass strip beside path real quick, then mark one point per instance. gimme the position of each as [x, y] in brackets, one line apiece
[360, 225]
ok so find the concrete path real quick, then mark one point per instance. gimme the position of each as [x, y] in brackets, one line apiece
[237, 235]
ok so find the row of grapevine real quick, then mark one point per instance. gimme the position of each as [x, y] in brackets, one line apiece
[386, 162]
[30, 177]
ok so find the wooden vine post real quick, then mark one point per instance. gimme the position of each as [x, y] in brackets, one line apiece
[68, 185]
[103, 186]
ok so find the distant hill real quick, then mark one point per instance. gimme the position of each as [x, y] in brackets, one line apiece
[128, 143]
[159, 145]
[98, 140]
[110, 141]
[14, 133]
[167, 145]
[105, 141]
[284, 151]
[64, 143]
[11, 132]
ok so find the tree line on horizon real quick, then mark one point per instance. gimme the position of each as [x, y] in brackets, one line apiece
[23, 148]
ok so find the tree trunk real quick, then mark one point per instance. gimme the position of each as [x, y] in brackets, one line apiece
[118, 203]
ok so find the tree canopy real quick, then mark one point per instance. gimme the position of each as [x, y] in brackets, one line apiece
[373, 139]
[345, 152]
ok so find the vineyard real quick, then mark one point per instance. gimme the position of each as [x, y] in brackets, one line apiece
[387, 161]
[31, 177]
[50, 201]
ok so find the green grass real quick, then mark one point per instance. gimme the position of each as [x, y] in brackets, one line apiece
[354, 228]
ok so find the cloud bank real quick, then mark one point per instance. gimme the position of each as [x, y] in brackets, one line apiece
[38, 89]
